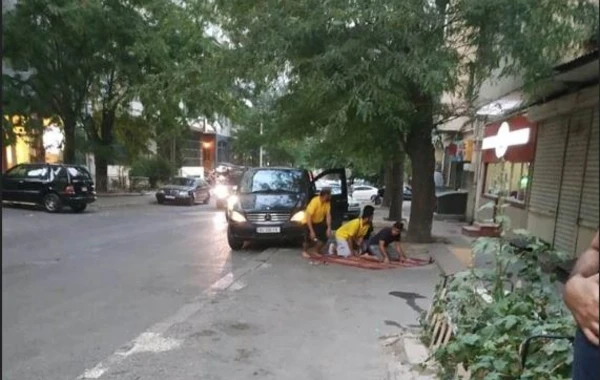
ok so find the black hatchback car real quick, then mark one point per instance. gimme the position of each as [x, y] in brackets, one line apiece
[50, 185]
[269, 203]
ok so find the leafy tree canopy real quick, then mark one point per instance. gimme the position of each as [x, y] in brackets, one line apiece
[372, 73]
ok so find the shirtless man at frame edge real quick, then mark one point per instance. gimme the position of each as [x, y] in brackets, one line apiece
[581, 297]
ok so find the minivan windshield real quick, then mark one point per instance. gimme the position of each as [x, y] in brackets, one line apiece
[272, 181]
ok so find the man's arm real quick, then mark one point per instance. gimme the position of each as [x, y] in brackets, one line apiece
[309, 224]
[383, 250]
[310, 210]
[328, 219]
[588, 263]
[399, 250]
[581, 292]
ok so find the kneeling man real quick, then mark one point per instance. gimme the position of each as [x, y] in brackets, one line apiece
[386, 243]
[349, 236]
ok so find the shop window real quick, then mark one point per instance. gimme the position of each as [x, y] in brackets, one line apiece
[509, 179]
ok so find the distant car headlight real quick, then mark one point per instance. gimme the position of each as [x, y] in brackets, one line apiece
[161, 191]
[237, 217]
[298, 217]
[221, 191]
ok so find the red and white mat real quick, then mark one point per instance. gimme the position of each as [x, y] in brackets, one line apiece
[369, 263]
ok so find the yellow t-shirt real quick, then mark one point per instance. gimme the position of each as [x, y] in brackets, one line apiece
[317, 209]
[353, 229]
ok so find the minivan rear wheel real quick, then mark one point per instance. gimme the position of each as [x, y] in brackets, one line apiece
[52, 203]
[234, 243]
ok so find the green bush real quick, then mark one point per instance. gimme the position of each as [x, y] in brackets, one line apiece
[157, 169]
[489, 330]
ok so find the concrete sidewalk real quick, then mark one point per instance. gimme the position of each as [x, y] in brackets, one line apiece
[290, 319]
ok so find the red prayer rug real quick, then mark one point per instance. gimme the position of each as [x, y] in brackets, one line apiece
[370, 263]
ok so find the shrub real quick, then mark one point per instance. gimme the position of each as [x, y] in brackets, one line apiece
[156, 169]
[489, 329]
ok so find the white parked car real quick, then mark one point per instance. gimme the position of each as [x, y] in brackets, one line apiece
[353, 208]
[363, 193]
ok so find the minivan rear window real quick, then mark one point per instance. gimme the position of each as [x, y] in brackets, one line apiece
[272, 181]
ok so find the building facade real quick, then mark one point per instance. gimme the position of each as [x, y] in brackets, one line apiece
[544, 158]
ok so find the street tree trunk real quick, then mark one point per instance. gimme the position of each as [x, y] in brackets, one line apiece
[69, 145]
[388, 174]
[422, 155]
[104, 149]
[396, 189]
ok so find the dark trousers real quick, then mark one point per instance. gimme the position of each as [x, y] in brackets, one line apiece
[586, 361]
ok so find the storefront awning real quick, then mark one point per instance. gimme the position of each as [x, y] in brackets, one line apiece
[568, 77]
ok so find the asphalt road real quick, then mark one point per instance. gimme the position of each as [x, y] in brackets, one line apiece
[76, 286]
[154, 292]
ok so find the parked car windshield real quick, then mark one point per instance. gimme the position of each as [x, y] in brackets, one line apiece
[182, 181]
[276, 181]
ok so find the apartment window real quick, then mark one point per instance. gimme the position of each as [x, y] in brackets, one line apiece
[509, 179]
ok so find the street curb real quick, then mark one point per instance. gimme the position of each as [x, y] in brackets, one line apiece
[132, 202]
[104, 207]
[114, 195]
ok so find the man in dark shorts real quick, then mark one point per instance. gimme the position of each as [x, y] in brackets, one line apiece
[386, 244]
[581, 297]
[317, 220]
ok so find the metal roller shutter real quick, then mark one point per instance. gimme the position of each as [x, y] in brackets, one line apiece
[588, 215]
[566, 230]
[545, 183]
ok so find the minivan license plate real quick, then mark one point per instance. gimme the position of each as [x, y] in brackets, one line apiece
[268, 230]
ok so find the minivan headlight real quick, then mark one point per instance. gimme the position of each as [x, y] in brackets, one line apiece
[298, 217]
[237, 217]
[232, 201]
[221, 191]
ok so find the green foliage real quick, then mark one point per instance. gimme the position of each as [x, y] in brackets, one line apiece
[492, 316]
[367, 77]
[156, 169]
[489, 332]
[85, 62]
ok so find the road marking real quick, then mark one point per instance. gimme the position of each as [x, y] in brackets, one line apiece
[152, 340]
[237, 286]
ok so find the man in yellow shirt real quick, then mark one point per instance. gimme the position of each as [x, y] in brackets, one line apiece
[351, 234]
[317, 218]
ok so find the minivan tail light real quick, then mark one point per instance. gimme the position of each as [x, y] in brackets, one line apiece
[69, 190]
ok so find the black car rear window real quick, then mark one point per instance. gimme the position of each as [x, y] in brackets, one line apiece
[255, 181]
[77, 172]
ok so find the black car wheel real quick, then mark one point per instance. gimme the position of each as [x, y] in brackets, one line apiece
[160, 201]
[191, 200]
[207, 200]
[79, 208]
[52, 203]
[234, 244]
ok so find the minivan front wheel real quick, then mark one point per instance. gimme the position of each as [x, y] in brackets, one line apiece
[234, 243]
[52, 203]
